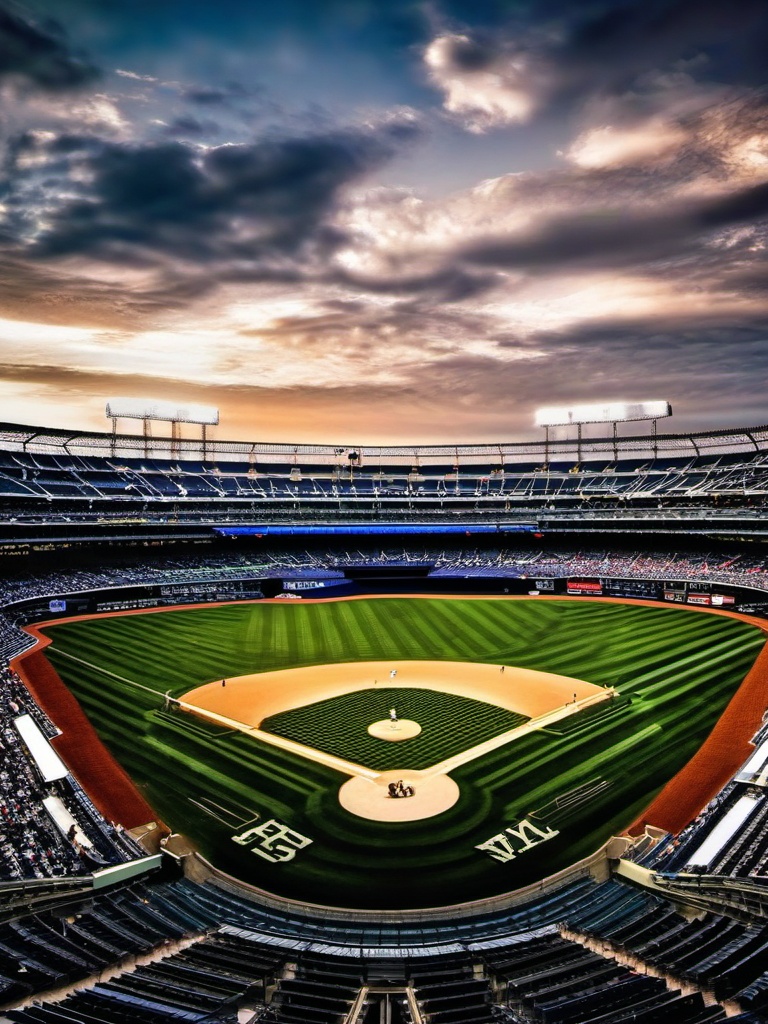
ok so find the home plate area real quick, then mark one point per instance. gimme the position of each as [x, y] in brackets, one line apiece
[370, 798]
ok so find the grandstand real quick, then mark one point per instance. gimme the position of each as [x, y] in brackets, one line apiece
[108, 914]
[90, 477]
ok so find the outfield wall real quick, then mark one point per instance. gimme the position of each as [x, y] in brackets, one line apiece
[366, 580]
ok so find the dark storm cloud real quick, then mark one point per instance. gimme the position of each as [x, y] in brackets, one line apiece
[449, 284]
[76, 300]
[236, 202]
[616, 237]
[377, 326]
[714, 365]
[185, 127]
[40, 54]
[210, 96]
[711, 335]
[746, 205]
[613, 43]
[565, 54]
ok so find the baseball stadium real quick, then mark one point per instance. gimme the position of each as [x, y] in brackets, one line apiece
[396, 735]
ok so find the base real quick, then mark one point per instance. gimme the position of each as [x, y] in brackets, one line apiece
[368, 798]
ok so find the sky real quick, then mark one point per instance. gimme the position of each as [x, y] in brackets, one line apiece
[383, 221]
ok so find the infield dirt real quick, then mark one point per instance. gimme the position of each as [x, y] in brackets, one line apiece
[252, 698]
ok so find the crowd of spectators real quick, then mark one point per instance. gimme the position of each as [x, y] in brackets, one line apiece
[743, 570]
[31, 844]
[136, 481]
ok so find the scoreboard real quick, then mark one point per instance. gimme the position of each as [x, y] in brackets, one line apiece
[704, 594]
[648, 589]
[611, 587]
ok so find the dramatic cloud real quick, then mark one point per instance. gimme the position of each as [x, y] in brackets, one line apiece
[244, 205]
[40, 55]
[501, 77]
[485, 85]
[615, 236]
[608, 45]
[655, 141]
[419, 222]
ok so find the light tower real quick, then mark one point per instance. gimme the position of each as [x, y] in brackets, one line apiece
[167, 412]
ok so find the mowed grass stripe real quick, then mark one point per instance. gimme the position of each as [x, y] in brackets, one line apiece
[680, 677]
[630, 659]
[605, 651]
[686, 665]
[384, 632]
[440, 635]
[656, 666]
[484, 632]
[571, 761]
[692, 654]
[338, 725]
[375, 629]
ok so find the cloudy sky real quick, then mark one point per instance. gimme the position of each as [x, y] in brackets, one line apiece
[364, 221]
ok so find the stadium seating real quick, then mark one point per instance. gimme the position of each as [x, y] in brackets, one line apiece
[172, 948]
[42, 471]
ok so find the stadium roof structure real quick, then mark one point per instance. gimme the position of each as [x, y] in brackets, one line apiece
[43, 440]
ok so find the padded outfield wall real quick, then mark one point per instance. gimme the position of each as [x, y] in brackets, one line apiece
[374, 580]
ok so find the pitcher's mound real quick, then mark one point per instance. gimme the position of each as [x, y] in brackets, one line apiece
[369, 798]
[402, 729]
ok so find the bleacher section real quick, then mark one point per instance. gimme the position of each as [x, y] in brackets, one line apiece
[31, 844]
[89, 476]
[716, 954]
[177, 951]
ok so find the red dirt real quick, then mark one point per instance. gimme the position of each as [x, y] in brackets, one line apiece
[105, 782]
[721, 755]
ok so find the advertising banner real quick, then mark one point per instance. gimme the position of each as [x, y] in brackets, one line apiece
[584, 587]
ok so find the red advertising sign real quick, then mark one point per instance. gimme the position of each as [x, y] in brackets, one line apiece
[579, 587]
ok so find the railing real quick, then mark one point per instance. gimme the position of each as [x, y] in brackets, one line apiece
[739, 897]
[594, 866]
[34, 894]
[17, 437]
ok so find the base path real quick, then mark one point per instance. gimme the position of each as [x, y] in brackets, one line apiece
[243, 702]
[252, 698]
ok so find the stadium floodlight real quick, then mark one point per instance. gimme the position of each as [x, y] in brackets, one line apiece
[609, 412]
[143, 409]
[203, 416]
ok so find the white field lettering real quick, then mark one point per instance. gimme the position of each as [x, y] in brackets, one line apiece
[516, 839]
[273, 841]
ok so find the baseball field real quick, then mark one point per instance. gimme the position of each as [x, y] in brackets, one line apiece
[261, 799]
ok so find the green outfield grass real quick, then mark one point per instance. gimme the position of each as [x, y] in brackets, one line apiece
[675, 670]
[449, 724]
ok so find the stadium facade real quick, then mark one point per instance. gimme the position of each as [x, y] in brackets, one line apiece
[104, 920]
